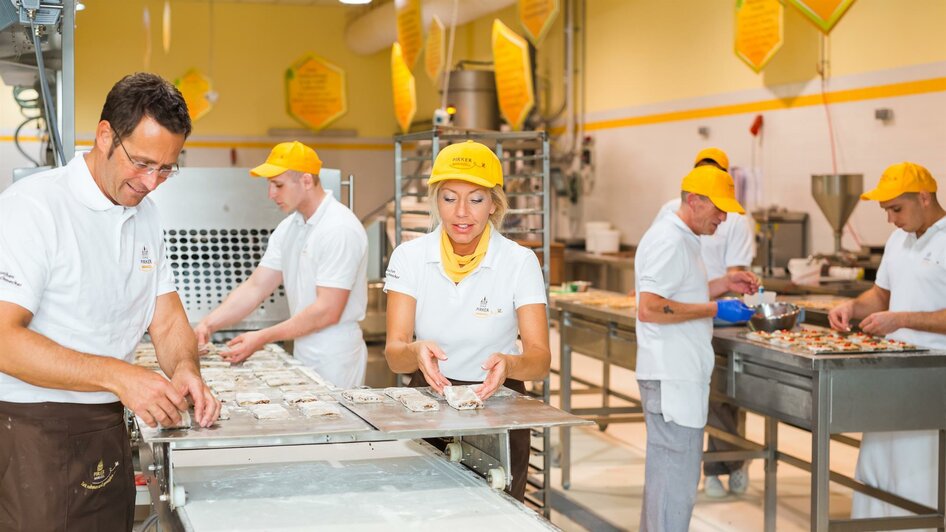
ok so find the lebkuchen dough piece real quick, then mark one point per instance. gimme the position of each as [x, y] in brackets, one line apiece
[270, 412]
[397, 393]
[185, 422]
[320, 409]
[462, 397]
[359, 396]
[251, 398]
[419, 402]
[299, 396]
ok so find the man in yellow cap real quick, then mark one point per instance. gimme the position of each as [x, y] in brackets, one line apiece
[730, 249]
[906, 303]
[320, 253]
[674, 334]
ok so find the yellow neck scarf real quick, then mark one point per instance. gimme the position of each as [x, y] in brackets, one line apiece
[459, 266]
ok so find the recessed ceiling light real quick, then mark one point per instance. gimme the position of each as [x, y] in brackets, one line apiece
[355, 2]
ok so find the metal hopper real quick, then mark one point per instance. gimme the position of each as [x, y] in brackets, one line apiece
[837, 195]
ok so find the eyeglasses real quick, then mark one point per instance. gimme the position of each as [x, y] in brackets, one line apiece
[164, 172]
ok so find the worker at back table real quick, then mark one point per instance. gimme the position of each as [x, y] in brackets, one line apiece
[731, 248]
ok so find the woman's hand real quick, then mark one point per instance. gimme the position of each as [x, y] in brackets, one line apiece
[497, 369]
[428, 356]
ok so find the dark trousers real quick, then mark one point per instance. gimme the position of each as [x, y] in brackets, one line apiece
[731, 419]
[65, 466]
[520, 441]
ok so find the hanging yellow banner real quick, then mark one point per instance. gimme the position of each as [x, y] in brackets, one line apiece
[434, 55]
[536, 17]
[405, 95]
[315, 92]
[197, 92]
[410, 34]
[758, 31]
[824, 13]
[513, 74]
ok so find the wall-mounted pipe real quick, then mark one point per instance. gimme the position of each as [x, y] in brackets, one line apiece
[376, 30]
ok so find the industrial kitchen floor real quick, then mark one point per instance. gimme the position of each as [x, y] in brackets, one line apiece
[608, 473]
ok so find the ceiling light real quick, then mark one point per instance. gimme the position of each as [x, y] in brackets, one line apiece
[355, 2]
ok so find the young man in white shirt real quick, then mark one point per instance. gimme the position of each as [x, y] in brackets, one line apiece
[674, 335]
[83, 275]
[906, 303]
[731, 248]
[320, 253]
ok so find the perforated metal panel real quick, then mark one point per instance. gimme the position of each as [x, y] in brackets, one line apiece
[209, 263]
[217, 224]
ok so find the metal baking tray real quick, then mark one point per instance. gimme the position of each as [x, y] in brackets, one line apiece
[503, 411]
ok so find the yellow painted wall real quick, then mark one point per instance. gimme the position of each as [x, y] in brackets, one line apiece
[642, 52]
[253, 44]
[638, 52]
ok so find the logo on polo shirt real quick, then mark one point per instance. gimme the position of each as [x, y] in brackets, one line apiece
[100, 478]
[145, 263]
[483, 310]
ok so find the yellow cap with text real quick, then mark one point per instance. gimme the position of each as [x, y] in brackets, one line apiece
[289, 156]
[467, 161]
[899, 179]
[716, 185]
[716, 155]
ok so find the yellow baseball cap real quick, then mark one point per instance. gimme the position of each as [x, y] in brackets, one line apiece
[715, 184]
[467, 161]
[899, 179]
[714, 154]
[289, 156]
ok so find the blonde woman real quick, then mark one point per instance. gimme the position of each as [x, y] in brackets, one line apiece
[459, 297]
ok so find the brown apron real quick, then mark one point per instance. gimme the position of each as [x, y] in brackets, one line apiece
[520, 441]
[65, 466]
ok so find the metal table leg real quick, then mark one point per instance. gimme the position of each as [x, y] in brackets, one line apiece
[941, 466]
[565, 372]
[771, 470]
[820, 458]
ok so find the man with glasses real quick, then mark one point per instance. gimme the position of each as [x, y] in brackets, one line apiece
[83, 275]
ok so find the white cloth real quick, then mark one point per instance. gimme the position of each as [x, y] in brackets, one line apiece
[477, 317]
[89, 271]
[733, 244]
[330, 250]
[914, 271]
[679, 355]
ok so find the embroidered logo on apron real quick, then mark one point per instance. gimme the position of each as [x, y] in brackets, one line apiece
[100, 478]
[145, 263]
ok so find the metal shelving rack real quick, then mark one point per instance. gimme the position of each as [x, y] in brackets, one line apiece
[525, 160]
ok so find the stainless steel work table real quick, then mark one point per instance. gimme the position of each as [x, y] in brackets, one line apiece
[834, 394]
[825, 394]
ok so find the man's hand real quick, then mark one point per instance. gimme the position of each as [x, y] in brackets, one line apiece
[242, 347]
[149, 395]
[497, 370]
[882, 323]
[840, 316]
[742, 282]
[429, 356]
[187, 381]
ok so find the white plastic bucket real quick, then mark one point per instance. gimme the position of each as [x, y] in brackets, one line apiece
[607, 241]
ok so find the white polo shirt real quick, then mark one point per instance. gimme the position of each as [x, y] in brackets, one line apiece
[88, 270]
[475, 318]
[733, 244]
[330, 249]
[914, 271]
[679, 355]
